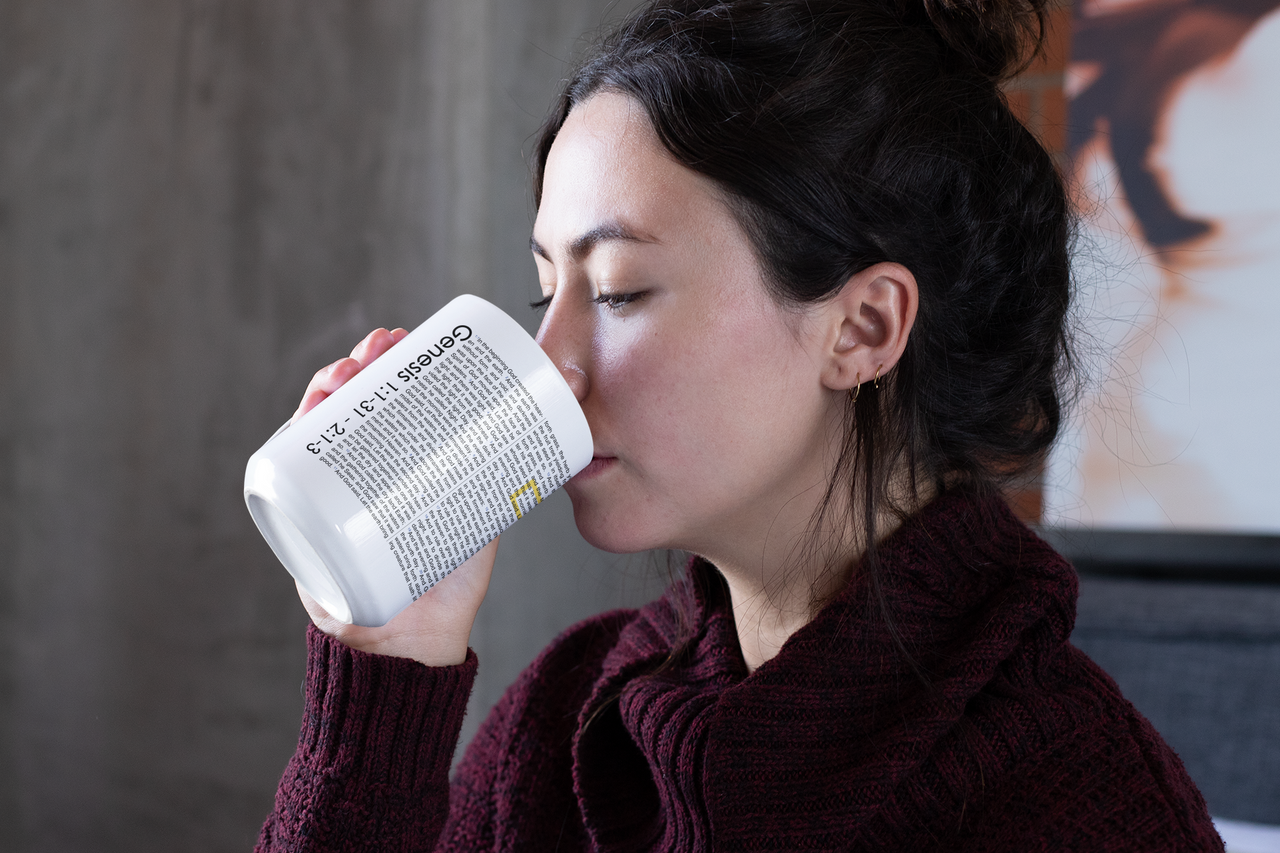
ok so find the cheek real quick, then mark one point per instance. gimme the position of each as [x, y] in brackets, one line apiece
[690, 392]
[640, 380]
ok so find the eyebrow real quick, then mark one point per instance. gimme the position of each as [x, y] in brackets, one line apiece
[584, 244]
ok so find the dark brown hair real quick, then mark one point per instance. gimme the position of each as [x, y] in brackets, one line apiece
[851, 133]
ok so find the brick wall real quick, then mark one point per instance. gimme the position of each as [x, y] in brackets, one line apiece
[1036, 95]
[1038, 98]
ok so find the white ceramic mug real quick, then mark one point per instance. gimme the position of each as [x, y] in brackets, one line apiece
[417, 462]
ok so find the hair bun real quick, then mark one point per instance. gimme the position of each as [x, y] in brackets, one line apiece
[999, 38]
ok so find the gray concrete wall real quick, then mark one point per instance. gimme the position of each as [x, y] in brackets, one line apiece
[201, 203]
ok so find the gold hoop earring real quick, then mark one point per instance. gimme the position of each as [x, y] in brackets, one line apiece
[875, 383]
[853, 395]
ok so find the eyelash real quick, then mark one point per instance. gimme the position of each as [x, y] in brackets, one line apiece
[617, 301]
[612, 301]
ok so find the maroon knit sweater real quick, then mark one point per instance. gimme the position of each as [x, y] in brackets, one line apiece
[1017, 743]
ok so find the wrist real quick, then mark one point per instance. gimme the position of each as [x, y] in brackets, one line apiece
[367, 709]
[435, 648]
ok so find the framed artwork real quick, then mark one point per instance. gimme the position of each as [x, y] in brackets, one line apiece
[1174, 162]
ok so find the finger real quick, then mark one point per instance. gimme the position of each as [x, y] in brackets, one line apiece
[375, 344]
[482, 561]
[325, 381]
[316, 611]
[332, 377]
[309, 402]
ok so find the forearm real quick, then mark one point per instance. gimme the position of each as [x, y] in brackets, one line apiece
[372, 765]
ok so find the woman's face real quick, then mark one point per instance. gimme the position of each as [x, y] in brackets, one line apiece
[713, 429]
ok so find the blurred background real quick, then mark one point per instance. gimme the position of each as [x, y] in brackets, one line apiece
[201, 203]
[204, 201]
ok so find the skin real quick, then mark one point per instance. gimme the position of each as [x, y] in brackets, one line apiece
[435, 629]
[716, 412]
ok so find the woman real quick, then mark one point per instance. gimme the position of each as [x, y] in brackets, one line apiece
[807, 277]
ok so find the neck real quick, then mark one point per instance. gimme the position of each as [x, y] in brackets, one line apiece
[778, 593]
[766, 618]
[776, 585]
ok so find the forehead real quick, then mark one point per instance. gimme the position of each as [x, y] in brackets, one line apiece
[608, 165]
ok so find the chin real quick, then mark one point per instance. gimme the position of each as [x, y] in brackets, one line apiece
[615, 532]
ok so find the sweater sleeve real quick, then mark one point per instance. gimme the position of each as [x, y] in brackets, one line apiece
[371, 771]
[1106, 789]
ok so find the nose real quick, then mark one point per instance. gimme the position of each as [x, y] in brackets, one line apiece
[565, 340]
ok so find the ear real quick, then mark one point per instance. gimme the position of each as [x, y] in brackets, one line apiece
[867, 323]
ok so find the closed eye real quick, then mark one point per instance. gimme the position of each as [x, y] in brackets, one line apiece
[616, 301]
[538, 305]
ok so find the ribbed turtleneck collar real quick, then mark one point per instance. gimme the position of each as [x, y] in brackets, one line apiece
[811, 744]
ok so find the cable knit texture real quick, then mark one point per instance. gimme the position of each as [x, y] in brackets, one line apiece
[1001, 736]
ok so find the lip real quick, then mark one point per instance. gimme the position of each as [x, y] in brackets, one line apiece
[597, 466]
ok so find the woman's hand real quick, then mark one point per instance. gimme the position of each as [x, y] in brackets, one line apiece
[436, 628]
[331, 378]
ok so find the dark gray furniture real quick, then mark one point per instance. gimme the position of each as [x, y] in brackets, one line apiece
[1190, 631]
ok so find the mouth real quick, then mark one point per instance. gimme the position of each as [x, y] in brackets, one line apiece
[597, 466]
